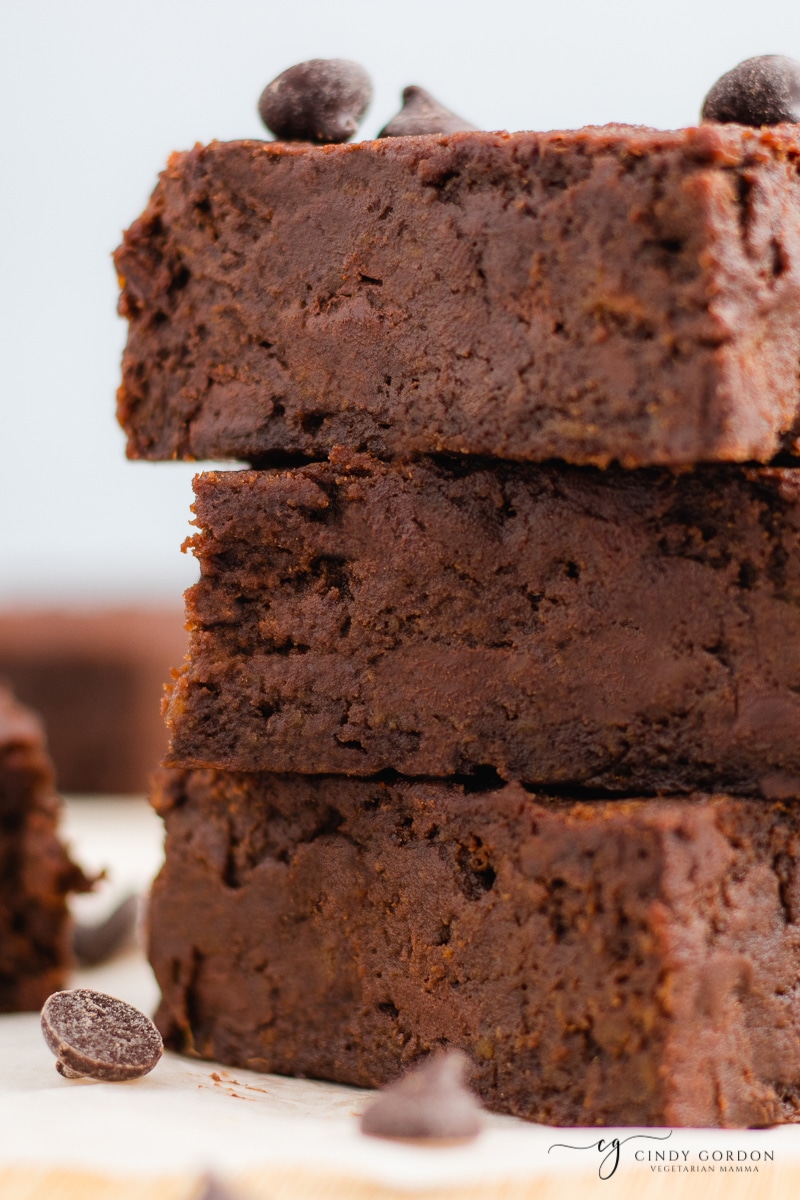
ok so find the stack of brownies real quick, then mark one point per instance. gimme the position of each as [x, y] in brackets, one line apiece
[488, 732]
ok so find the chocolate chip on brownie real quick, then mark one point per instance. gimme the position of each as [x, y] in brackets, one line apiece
[759, 91]
[322, 100]
[95, 1035]
[422, 113]
[430, 1102]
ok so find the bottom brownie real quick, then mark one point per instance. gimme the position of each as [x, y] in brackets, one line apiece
[36, 874]
[600, 962]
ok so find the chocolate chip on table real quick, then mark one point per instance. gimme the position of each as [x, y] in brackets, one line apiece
[94, 944]
[212, 1188]
[430, 1102]
[67, 1072]
[420, 114]
[95, 1035]
[759, 91]
[322, 100]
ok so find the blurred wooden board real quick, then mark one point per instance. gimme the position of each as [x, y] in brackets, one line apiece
[297, 1183]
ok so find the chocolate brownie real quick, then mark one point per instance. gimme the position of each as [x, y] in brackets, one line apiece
[604, 962]
[97, 678]
[603, 294]
[36, 873]
[636, 631]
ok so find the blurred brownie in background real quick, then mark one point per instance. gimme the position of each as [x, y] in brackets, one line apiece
[36, 873]
[96, 678]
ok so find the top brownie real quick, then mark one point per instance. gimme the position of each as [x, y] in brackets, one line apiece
[605, 294]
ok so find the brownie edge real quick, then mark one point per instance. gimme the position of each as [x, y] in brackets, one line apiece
[600, 963]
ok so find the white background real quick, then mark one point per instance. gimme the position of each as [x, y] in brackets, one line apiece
[94, 94]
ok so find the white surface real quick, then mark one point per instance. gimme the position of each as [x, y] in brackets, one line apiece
[181, 1118]
[96, 93]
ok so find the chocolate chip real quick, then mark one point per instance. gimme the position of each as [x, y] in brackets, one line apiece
[760, 91]
[212, 1188]
[95, 1035]
[95, 944]
[322, 100]
[420, 114]
[430, 1102]
[67, 1072]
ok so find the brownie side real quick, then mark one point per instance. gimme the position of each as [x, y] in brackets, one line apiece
[36, 874]
[600, 294]
[632, 631]
[728, 924]
[622, 962]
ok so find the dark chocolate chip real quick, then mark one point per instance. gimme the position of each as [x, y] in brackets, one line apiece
[760, 91]
[67, 1072]
[322, 100]
[430, 1102]
[212, 1188]
[95, 1035]
[95, 944]
[420, 114]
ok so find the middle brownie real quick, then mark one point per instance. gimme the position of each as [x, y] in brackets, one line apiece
[633, 630]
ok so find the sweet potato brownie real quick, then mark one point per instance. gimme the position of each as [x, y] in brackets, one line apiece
[97, 678]
[36, 874]
[603, 962]
[628, 630]
[604, 294]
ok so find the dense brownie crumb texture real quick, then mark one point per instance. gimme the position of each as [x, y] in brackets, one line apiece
[602, 294]
[636, 631]
[36, 874]
[617, 962]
